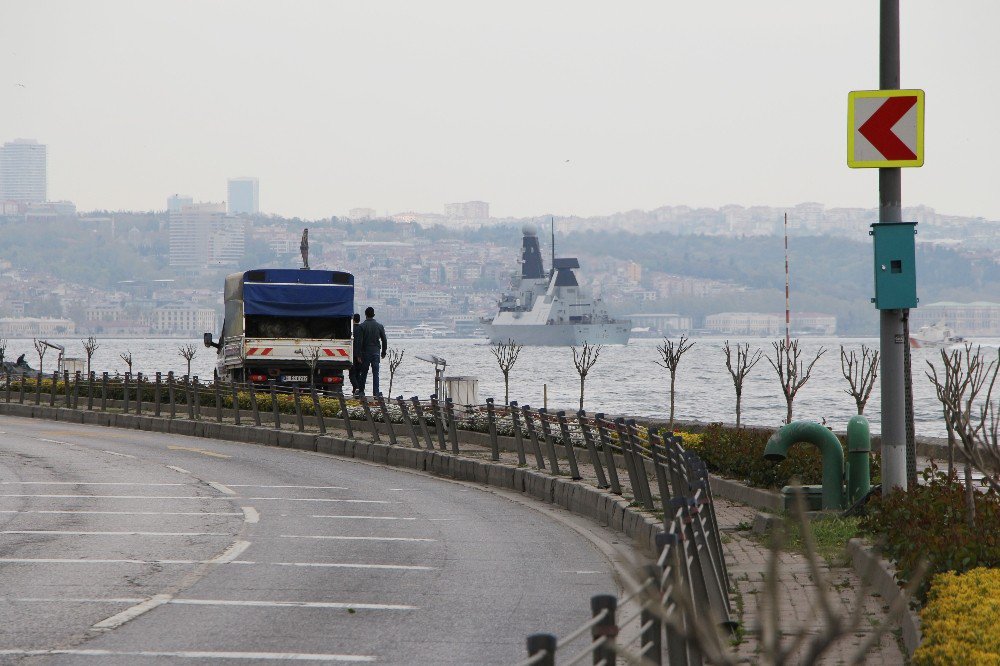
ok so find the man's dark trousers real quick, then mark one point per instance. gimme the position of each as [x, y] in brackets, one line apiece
[369, 360]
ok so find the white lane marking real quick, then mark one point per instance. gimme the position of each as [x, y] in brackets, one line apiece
[350, 565]
[231, 553]
[135, 513]
[406, 490]
[123, 455]
[250, 515]
[78, 600]
[292, 604]
[365, 517]
[118, 619]
[332, 565]
[250, 485]
[221, 488]
[178, 469]
[82, 533]
[352, 538]
[149, 497]
[53, 441]
[279, 656]
[579, 572]
[323, 499]
[85, 483]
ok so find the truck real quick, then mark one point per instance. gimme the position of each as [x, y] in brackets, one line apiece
[289, 326]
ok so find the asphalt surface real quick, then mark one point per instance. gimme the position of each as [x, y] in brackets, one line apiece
[127, 547]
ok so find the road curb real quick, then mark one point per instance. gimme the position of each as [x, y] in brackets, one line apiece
[879, 574]
[601, 506]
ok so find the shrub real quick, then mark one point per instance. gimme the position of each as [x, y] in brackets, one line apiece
[959, 621]
[929, 522]
[739, 454]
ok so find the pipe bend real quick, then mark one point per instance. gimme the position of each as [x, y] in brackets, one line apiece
[829, 447]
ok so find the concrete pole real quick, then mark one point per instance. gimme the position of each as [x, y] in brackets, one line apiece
[891, 336]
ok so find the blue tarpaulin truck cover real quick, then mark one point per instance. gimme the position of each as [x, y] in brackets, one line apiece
[278, 292]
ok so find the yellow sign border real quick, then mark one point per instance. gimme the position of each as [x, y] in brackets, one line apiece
[868, 164]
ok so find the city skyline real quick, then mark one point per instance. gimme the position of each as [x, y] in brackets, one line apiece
[576, 109]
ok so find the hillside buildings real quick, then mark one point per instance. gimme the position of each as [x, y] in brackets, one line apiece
[23, 177]
[765, 324]
[966, 319]
[243, 196]
[177, 201]
[470, 212]
[202, 236]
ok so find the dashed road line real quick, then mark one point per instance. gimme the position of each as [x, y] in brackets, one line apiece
[86, 483]
[352, 538]
[178, 469]
[86, 533]
[324, 499]
[364, 517]
[273, 656]
[141, 497]
[123, 455]
[355, 565]
[222, 488]
[291, 604]
[194, 449]
[131, 513]
[231, 553]
[330, 565]
[251, 485]
[250, 515]
[118, 619]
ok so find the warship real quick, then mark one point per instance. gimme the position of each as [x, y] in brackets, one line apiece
[552, 308]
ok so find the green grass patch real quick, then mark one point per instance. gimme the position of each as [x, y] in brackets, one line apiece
[829, 534]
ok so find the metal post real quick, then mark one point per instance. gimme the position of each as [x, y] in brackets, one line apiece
[188, 397]
[595, 457]
[639, 461]
[197, 397]
[297, 401]
[90, 391]
[157, 394]
[491, 417]
[218, 401]
[236, 402]
[891, 334]
[574, 470]
[543, 644]
[518, 439]
[274, 405]
[138, 393]
[76, 389]
[52, 391]
[38, 388]
[254, 407]
[529, 426]
[405, 411]
[21, 388]
[606, 627]
[367, 409]
[655, 453]
[344, 415]
[172, 394]
[385, 418]
[422, 420]
[609, 454]
[452, 424]
[317, 407]
[104, 391]
[438, 426]
[623, 442]
[550, 445]
[652, 627]
[125, 396]
[7, 382]
[680, 652]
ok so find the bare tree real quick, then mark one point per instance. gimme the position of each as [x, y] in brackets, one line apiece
[584, 360]
[860, 373]
[506, 355]
[745, 361]
[188, 352]
[670, 354]
[127, 357]
[311, 356]
[793, 373]
[90, 345]
[966, 393]
[395, 357]
[41, 348]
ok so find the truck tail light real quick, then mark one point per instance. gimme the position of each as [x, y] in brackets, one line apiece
[333, 380]
[258, 378]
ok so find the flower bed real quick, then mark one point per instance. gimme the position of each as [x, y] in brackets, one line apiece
[960, 619]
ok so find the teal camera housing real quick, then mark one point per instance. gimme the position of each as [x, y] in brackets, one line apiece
[895, 265]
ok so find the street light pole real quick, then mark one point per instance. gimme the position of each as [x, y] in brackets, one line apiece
[892, 336]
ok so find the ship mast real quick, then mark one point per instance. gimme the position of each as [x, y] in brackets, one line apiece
[552, 222]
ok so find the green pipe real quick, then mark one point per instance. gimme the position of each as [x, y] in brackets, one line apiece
[828, 445]
[859, 447]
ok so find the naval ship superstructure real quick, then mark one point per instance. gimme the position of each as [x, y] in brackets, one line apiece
[552, 308]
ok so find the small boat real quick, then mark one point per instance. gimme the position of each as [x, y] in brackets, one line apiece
[934, 336]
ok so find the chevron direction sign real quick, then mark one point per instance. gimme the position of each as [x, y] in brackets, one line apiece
[885, 128]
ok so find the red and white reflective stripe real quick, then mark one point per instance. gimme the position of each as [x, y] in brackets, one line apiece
[263, 351]
[335, 352]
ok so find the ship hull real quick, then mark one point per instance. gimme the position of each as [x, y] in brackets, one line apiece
[559, 335]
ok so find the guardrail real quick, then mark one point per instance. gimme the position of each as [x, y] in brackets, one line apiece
[688, 583]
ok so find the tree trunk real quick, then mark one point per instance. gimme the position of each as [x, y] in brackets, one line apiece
[970, 497]
[582, 380]
[788, 415]
[951, 447]
[739, 398]
[672, 375]
[506, 388]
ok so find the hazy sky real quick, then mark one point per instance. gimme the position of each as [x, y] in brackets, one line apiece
[565, 107]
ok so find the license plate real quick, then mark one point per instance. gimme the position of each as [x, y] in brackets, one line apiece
[295, 378]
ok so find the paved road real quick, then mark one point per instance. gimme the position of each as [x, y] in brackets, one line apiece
[126, 547]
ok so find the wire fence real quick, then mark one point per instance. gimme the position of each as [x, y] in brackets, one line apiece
[688, 583]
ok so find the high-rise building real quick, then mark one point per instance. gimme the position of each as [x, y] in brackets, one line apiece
[23, 171]
[177, 201]
[243, 196]
[468, 211]
[202, 236]
[361, 213]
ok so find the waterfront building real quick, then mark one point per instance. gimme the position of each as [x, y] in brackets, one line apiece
[23, 176]
[967, 319]
[183, 319]
[664, 323]
[468, 211]
[33, 327]
[243, 196]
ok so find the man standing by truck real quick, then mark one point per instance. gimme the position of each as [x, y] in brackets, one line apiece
[356, 361]
[371, 347]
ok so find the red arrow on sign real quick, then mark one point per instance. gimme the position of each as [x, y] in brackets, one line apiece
[878, 128]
